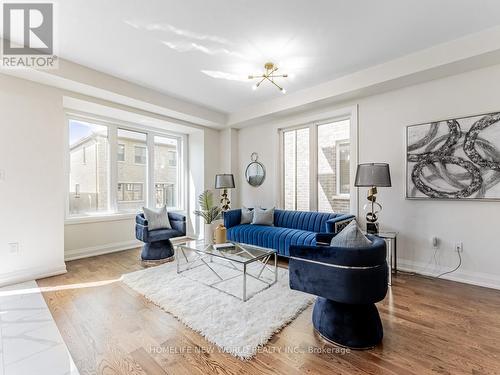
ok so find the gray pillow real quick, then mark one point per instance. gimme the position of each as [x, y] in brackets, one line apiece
[261, 216]
[351, 237]
[157, 218]
[246, 215]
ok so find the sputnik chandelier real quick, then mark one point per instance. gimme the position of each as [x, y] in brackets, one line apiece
[269, 75]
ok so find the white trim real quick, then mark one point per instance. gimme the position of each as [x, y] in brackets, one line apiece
[73, 220]
[112, 170]
[100, 250]
[467, 277]
[313, 168]
[353, 163]
[148, 189]
[31, 274]
[109, 248]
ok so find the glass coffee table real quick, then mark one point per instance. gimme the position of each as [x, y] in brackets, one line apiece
[240, 261]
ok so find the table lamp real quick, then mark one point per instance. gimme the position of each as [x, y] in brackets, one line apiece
[224, 181]
[373, 175]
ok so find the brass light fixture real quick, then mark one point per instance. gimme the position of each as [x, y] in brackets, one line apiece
[269, 75]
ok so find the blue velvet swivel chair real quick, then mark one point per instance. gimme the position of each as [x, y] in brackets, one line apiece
[348, 282]
[157, 246]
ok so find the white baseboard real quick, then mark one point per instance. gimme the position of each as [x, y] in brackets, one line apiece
[33, 273]
[100, 250]
[474, 278]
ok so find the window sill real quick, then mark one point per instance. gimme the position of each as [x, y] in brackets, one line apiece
[341, 197]
[87, 219]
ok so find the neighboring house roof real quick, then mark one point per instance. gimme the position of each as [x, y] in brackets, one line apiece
[91, 138]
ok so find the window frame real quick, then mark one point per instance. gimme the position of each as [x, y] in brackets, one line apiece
[312, 121]
[149, 189]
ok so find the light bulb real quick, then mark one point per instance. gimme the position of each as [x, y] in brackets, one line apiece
[254, 87]
[283, 91]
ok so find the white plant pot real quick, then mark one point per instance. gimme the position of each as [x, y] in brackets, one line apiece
[209, 234]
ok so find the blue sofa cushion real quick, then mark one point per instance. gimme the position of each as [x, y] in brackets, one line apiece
[278, 238]
[303, 220]
[163, 234]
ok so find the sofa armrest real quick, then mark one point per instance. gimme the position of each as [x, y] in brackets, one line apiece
[338, 223]
[232, 218]
[141, 220]
[141, 232]
[177, 222]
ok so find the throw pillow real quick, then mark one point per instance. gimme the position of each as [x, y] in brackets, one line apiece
[261, 216]
[246, 215]
[157, 218]
[351, 237]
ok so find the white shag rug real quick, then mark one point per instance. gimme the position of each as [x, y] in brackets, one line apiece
[237, 327]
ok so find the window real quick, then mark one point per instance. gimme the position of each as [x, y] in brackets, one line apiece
[135, 173]
[342, 167]
[166, 173]
[316, 167]
[88, 168]
[333, 166]
[164, 195]
[296, 167]
[130, 192]
[140, 155]
[150, 176]
[121, 153]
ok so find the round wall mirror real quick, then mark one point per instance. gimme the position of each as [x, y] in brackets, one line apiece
[255, 172]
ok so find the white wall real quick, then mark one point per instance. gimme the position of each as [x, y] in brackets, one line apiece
[94, 238]
[31, 194]
[263, 140]
[382, 122]
[229, 161]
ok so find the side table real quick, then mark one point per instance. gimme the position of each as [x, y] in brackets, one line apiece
[391, 241]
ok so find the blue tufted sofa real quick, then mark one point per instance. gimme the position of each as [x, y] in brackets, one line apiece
[157, 245]
[290, 228]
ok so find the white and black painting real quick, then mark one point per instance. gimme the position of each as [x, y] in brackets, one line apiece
[454, 159]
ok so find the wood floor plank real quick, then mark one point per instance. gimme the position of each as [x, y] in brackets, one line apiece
[430, 327]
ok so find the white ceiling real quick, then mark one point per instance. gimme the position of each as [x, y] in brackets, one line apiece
[167, 45]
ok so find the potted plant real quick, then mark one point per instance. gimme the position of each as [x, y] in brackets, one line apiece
[209, 212]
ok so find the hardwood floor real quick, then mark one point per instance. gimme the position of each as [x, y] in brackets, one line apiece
[430, 327]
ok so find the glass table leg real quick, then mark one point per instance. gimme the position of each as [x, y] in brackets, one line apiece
[244, 283]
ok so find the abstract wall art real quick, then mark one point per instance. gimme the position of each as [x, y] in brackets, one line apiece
[454, 159]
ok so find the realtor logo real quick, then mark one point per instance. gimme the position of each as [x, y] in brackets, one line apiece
[28, 32]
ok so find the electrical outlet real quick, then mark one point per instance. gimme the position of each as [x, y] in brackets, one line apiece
[2, 175]
[14, 248]
[459, 247]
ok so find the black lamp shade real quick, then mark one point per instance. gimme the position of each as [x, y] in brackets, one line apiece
[224, 181]
[373, 174]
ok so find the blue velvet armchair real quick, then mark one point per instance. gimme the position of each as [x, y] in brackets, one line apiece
[348, 282]
[157, 245]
